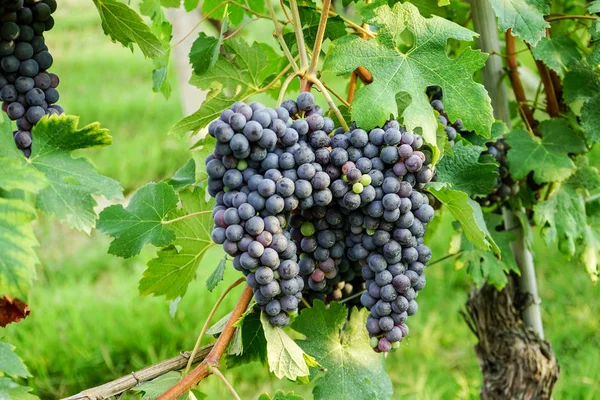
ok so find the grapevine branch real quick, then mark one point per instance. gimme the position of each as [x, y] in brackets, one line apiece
[120, 385]
[563, 17]
[279, 35]
[352, 86]
[332, 105]
[517, 85]
[218, 373]
[212, 360]
[299, 35]
[312, 68]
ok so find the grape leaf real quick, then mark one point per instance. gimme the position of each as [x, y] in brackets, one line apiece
[285, 357]
[547, 157]
[217, 275]
[160, 71]
[175, 267]
[280, 395]
[468, 213]
[141, 222]
[10, 363]
[499, 128]
[483, 265]
[581, 83]
[524, 17]
[466, 173]
[205, 49]
[124, 25]
[235, 77]
[425, 64]
[15, 175]
[13, 391]
[563, 217]
[591, 244]
[217, 10]
[590, 120]
[17, 243]
[354, 371]
[12, 310]
[185, 176]
[557, 53]
[254, 342]
[72, 181]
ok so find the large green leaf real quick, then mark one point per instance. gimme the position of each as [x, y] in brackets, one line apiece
[468, 213]
[425, 63]
[205, 49]
[72, 181]
[590, 120]
[548, 157]
[285, 357]
[466, 173]
[17, 247]
[353, 369]
[524, 17]
[124, 25]
[10, 363]
[143, 221]
[175, 267]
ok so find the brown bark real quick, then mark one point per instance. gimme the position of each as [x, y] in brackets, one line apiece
[515, 362]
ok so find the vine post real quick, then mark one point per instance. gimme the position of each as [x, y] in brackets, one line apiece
[495, 316]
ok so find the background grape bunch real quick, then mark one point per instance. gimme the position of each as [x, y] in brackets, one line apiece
[505, 187]
[311, 212]
[27, 90]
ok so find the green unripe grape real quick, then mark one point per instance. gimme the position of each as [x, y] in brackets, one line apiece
[373, 342]
[293, 313]
[395, 345]
[370, 232]
[307, 229]
[365, 180]
[276, 275]
[344, 178]
[242, 165]
[358, 188]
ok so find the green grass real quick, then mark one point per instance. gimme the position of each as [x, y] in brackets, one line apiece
[89, 325]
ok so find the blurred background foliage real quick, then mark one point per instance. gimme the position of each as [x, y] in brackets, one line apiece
[89, 325]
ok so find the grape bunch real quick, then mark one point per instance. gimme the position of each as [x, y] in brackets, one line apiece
[27, 90]
[311, 212]
[387, 226]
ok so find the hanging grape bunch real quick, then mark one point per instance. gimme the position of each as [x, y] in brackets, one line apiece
[306, 211]
[27, 89]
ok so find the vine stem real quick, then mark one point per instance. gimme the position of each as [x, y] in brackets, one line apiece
[208, 319]
[299, 35]
[330, 102]
[562, 17]
[285, 85]
[279, 35]
[202, 370]
[552, 106]
[218, 373]
[314, 60]
[513, 74]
